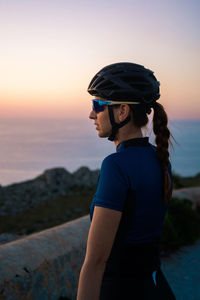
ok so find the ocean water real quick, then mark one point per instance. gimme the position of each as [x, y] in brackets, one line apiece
[29, 146]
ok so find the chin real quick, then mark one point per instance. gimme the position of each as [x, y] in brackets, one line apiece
[102, 134]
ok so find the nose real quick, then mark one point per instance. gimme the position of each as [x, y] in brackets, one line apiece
[92, 114]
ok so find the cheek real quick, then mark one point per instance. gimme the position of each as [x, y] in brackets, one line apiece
[106, 124]
[104, 119]
[106, 115]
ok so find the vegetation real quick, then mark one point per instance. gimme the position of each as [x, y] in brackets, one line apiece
[53, 212]
[184, 182]
[181, 225]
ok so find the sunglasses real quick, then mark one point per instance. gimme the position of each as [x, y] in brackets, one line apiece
[98, 105]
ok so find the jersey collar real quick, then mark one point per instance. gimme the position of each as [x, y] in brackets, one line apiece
[138, 142]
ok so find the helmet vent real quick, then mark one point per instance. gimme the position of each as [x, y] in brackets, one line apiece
[107, 85]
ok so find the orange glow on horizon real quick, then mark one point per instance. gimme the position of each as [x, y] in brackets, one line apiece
[79, 109]
[50, 51]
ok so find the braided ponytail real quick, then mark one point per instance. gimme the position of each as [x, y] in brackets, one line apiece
[162, 140]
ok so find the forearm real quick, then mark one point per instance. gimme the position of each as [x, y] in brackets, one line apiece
[90, 281]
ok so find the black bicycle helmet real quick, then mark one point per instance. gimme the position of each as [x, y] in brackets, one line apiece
[125, 82]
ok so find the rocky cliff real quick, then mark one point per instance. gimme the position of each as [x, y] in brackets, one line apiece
[19, 197]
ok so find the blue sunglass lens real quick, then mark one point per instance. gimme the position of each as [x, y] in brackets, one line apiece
[97, 107]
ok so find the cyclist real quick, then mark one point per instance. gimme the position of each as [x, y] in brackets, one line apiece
[134, 189]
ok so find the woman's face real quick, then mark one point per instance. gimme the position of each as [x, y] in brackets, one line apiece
[102, 121]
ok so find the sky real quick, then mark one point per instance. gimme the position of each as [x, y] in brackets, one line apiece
[50, 50]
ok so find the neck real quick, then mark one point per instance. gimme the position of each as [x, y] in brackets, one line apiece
[123, 135]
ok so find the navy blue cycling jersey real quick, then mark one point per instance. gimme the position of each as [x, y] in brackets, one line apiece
[134, 167]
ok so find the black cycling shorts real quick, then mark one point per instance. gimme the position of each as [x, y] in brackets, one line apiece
[151, 287]
[134, 273]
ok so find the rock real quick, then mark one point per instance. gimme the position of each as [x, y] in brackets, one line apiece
[20, 197]
[84, 177]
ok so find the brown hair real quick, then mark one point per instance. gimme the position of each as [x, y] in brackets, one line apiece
[162, 139]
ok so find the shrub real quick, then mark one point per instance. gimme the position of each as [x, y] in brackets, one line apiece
[181, 225]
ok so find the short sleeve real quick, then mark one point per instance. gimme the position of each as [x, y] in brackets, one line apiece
[112, 185]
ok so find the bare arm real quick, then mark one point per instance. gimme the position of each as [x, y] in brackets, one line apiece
[101, 236]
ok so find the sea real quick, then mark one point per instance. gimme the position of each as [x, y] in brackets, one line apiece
[30, 146]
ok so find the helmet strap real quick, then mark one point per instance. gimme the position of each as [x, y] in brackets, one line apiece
[115, 126]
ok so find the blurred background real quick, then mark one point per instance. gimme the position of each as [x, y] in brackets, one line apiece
[49, 52]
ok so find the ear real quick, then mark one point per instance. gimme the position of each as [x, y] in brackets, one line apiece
[124, 111]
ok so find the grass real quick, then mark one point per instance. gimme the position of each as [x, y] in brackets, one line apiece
[52, 212]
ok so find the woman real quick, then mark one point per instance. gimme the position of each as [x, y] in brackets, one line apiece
[134, 189]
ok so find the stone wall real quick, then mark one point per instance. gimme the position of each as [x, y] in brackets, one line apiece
[44, 265]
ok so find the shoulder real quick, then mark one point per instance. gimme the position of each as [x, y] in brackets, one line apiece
[112, 168]
[112, 161]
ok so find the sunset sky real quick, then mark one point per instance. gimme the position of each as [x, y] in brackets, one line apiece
[50, 50]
